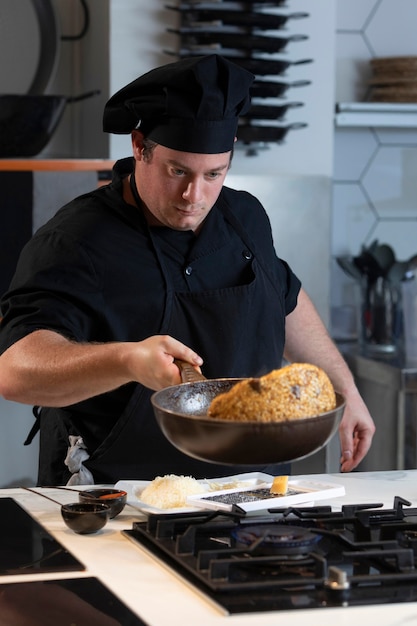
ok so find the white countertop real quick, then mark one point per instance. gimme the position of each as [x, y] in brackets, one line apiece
[160, 597]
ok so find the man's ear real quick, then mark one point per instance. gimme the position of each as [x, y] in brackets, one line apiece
[137, 144]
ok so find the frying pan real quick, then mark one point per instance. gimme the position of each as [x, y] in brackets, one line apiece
[257, 66]
[238, 41]
[248, 133]
[270, 112]
[27, 121]
[263, 21]
[181, 412]
[274, 89]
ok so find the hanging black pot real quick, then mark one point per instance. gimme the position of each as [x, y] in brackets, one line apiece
[27, 122]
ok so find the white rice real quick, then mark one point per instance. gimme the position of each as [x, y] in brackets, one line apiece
[170, 491]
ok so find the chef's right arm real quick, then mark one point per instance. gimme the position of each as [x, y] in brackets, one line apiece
[46, 369]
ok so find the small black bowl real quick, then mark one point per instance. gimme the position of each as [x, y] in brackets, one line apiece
[85, 517]
[114, 498]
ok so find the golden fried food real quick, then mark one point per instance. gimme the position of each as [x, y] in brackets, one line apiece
[296, 391]
[279, 485]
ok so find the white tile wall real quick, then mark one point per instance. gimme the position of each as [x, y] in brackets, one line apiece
[374, 185]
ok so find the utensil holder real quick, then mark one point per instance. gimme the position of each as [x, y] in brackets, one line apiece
[409, 296]
[381, 316]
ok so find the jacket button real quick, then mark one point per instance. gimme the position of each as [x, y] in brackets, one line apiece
[247, 254]
[188, 270]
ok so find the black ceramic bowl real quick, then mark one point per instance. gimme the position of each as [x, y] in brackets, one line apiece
[114, 498]
[85, 517]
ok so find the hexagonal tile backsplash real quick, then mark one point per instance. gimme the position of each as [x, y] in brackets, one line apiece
[375, 170]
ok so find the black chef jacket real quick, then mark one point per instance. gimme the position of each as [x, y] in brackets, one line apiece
[96, 272]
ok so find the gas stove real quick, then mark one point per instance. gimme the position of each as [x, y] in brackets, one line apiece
[290, 558]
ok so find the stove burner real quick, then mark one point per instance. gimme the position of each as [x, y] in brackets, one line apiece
[294, 558]
[275, 539]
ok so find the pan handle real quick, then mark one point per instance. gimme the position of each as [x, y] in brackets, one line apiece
[83, 96]
[188, 373]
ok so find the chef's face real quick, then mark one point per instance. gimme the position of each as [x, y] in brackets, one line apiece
[178, 189]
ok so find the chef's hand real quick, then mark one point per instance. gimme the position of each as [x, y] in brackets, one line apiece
[157, 367]
[356, 431]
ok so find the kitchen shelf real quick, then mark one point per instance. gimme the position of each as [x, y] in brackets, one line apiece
[376, 114]
[95, 165]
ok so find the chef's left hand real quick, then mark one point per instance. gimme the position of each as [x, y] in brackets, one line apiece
[356, 431]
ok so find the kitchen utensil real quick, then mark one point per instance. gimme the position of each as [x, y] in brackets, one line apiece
[250, 133]
[270, 112]
[181, 412]
[368, 265]
[412, 263]
[384, 256]
[83, 518]
[202, 18]
[27, 122]
[29, 45]
[274, 89]
[239, 41]
[376, 260]
[397, 272]
[257, 66]
[114, 498]
[349, 267]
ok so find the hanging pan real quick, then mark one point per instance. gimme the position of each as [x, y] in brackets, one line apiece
[198, 39]
[274, 89]
[248, 133]
[27, 122]
[258, 66]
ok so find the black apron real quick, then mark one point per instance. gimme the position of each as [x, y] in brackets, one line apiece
[255, 313]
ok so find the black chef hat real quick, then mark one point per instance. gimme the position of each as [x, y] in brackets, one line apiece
[192, 105]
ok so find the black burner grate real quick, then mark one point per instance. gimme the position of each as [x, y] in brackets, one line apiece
[310, 557]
